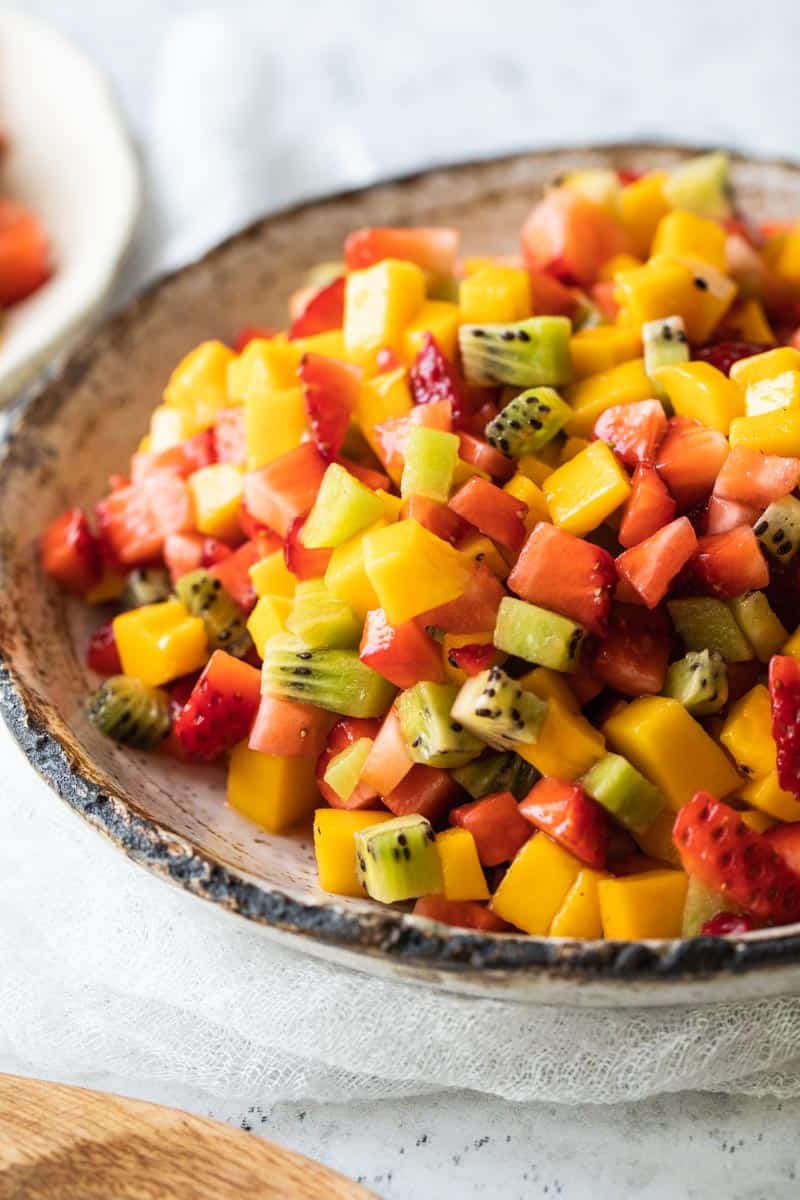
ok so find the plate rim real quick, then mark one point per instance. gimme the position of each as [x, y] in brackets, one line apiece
[388, 934]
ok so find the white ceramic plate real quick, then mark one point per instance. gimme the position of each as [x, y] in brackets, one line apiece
[72, 161]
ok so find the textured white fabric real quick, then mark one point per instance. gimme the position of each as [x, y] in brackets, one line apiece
[106, 970]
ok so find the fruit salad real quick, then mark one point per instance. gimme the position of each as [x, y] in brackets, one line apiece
[24, 249]
[485, 568]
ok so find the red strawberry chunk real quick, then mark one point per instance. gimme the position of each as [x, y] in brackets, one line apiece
[322, 311]
[723, 355]
[436, 517]
[429, 791]
[724, 515]
[102, 654]
[559, 571]
[494, 512]
[432, 377]
[731, 563]
[473, 612]
[432, 248]
[286, 488]
[724, 924]
[648, 508]
[233, 572]
[690, 458]
[331, 394]
[302, 562]
[549, 297]
[751, 477]
[651, 566]
[472, 658]
[372, 478]
[230, 437]
[463, 914]
[70, 552]
[633, 431]
[784, 689]
[785, 838]
[497, 825]
[633, 657]
[566, 814]
[251, 333]
[478, 453]
[290, 728]
[221, 708]
[404, 654]
[718, 849]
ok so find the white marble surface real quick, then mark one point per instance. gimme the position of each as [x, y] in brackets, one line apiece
[467, 78]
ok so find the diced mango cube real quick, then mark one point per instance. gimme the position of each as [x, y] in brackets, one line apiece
[642, 204]
[412, 570]
[535, 886]
[775, 432]
[643, 906]
[265, 365]
[439, 318]
[579, 915]
[169, 427]
[549, 685]
[199, 383]
[767, 795]
[748, 322]
[275, 421]
[671, 749]
[587, 489]
[767, 365]
[217, 495]
[461, 868]
[495, 294]
[601, 348]
[747, 733]
[386, 397]
[160, 642]
[380, 302]
[623, 384]
[392, 505]
[699, 391]
[330, 344]
[271, 577]
[768, 395]
[668, 286]
[686, 234]
[335, 832]
[274, 791]
[788, 260]
[481, 549]
[346, 576]
[524, 489]
[567, 746]
[267, 619]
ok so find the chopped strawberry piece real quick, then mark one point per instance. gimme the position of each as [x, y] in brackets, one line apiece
[70, 552]
[648, 508]
[289, 728]
[626, 175]
[786, 840]
[230, 438]
[570, 237]
[184, 459]
[755, 478]
[651, 566]
[731, 563]
[434, 249]
[221, 708]
[135, 520]
[478, 453]
[331, 394]
[213, 552]
[566, 814]
[562, 572]
[251, 527]
[388, 761]
[549, 297]
[286, 488]
[24, 253]
[462, 914]
[633, 657]
[633, 431]
[436, 517]
[784, 689]
[403, 654]
[233, 572]
[344, 734]
[433, 378]
[472, 658]
[723, 355]
[723, 515]
[322, 311]
[251, 333]
[497, 825]
[724, 924]
[302, 562]
[494, 512]
[429, 791]
[102, 654]
[183, 552]
[690, 458]
[473, 612]
[604, 295]
[718, 849]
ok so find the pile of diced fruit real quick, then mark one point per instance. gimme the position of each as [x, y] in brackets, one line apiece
[488, 565]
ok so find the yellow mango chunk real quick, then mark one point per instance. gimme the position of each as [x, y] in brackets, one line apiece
[623, 384]
[495, 294]
[642, 204]
[271, 577]
[767, 365]
[759, 822]
[535, 468]
[748, 321]
[771, 432]
[412, 570]
[656, 841]
[199, 383]
[747, 733]
[439, 318]
[392, 505]
[643, 906]
[346, 577]
[109, 586]
[767, 395]
[386, 397]
[335, 832]
[587, 489]
[160, 642]
[481, 549]
[667, 286]
[612, 267]
[788, 260]
[792, 644]
[579, 915]
[169, 427]
[330, 344]
[522, 488]
[217, 495]
[767, 795]
[686, 234]
[549, 685]
[461, 868]
[380, 302]
[268, 618]
[265, 365]
[700, 391]
[535, 886]
[601, 348]
[274, 422]
[571, 447]
[567, 746]
[274, 791]
[671, 749]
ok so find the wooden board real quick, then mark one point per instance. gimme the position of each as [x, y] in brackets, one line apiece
[65, 1143]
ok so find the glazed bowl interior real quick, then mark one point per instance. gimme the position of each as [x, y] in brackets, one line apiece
[172, 818]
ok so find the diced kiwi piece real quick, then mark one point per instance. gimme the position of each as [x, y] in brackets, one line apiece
[702, 185]
[432, 735]
[145, 585]
[344, 505]
[430, 461]
[759, 624]
[665, 344]
[528, 353]
[497, 772]
[528, 422]
[701, 904]
[706, 623]
[699, 681]
[398, 860]
[128, 711]
[333, 679]
[537, 635]
[321, 621]
[344, 769]
[205, 597]
[778, 528]
[616, 784]
[496, 709]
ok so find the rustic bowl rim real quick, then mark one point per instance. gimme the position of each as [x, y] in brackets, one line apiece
[386, 933]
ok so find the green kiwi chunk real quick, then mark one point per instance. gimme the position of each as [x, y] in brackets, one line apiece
[205, 597]
[706, 623]
[528, 422]
[432, 735]
[398, 860]
[530, 353]
[538, 635]
[336, 680]
[125, 709]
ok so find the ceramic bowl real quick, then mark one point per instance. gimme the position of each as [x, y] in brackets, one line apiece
[172, 819]
[70, 159]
